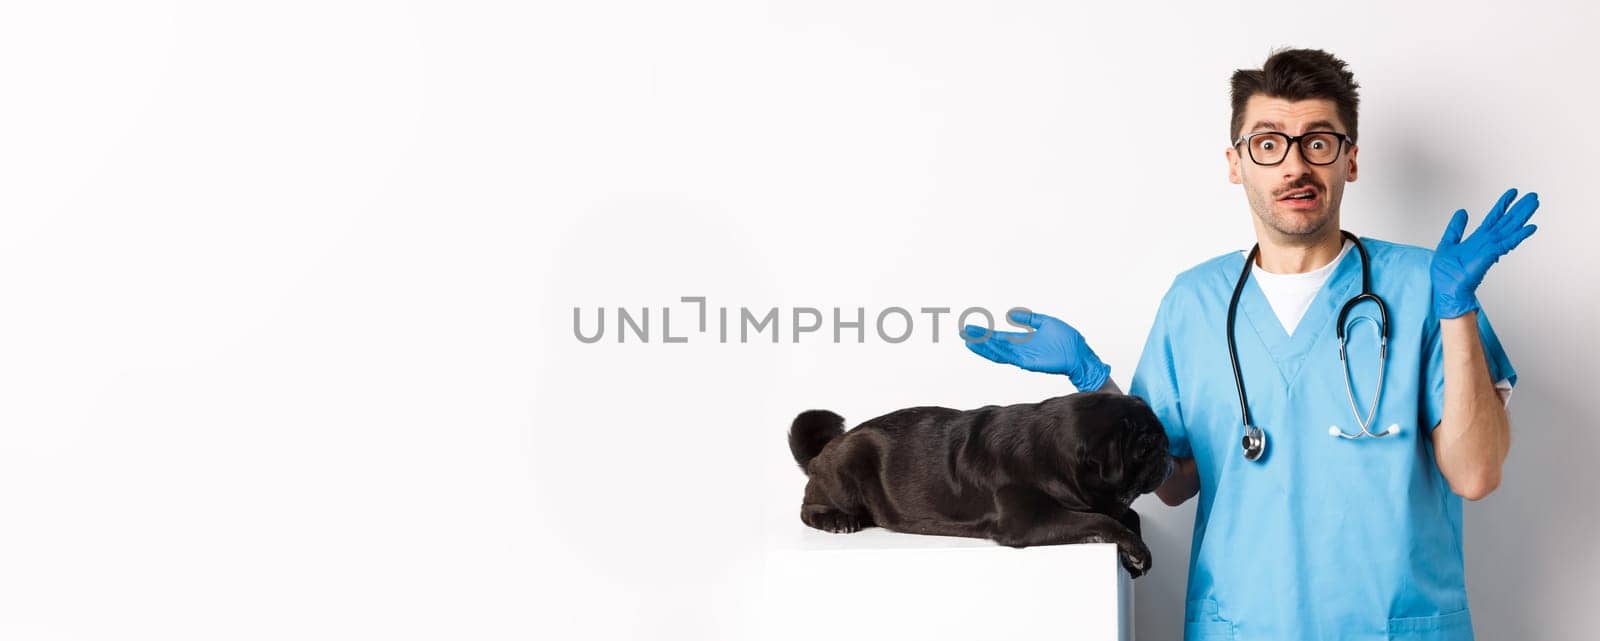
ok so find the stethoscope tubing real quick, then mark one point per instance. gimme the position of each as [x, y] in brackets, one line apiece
[1255, 439]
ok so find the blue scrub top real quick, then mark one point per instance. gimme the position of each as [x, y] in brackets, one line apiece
[1323, 537]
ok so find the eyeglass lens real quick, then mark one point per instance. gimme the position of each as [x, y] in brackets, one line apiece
[1316, 148]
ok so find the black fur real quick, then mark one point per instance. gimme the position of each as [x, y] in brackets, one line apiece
[1063, 470]
[811, 430]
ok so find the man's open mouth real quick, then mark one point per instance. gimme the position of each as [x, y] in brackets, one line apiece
[1304, 193]
[1303, 198]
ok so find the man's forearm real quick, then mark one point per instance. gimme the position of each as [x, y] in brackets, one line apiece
[1474, 434]
[1184, 482]
[1110, 386]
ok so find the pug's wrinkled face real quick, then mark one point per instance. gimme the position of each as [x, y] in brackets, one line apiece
[1146, 450]
[1122, 447]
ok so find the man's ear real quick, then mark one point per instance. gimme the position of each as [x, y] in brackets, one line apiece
[1233, 165]
[1350, 174]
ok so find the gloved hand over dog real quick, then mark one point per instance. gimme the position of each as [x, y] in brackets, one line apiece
[1054, 347]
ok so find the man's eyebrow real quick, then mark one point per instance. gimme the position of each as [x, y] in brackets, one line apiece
[1316, 125]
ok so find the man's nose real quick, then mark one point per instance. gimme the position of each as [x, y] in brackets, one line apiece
[1294, 166]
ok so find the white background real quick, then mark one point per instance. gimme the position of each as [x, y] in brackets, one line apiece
[286, 288]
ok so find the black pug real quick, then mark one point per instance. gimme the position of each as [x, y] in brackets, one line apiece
[1063, 470]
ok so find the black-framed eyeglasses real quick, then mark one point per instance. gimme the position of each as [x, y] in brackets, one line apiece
[1268, 148]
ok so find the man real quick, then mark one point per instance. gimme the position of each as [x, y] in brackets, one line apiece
[1344, 520]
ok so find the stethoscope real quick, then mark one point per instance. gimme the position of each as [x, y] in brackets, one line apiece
[1255, 440]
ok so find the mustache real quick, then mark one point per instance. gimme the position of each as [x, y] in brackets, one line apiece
[1303, 181]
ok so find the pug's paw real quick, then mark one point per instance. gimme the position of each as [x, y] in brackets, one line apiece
[1135, 557]
[835, 521]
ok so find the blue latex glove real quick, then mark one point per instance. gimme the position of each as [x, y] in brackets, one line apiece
[1054, 348]
[1459, 266]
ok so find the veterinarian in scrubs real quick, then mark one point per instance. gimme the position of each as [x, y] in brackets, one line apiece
[1321, 537]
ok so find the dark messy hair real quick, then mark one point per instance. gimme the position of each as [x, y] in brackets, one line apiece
[1297, 74]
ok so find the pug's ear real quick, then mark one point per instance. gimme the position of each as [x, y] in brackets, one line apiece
[1090, 470]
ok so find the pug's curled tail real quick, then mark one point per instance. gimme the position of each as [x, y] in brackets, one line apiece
[812, 430]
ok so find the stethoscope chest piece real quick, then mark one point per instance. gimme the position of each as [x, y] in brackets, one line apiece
[1255, 443]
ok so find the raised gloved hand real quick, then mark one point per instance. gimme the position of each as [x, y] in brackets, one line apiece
[1459, 266]
[1054, 347]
